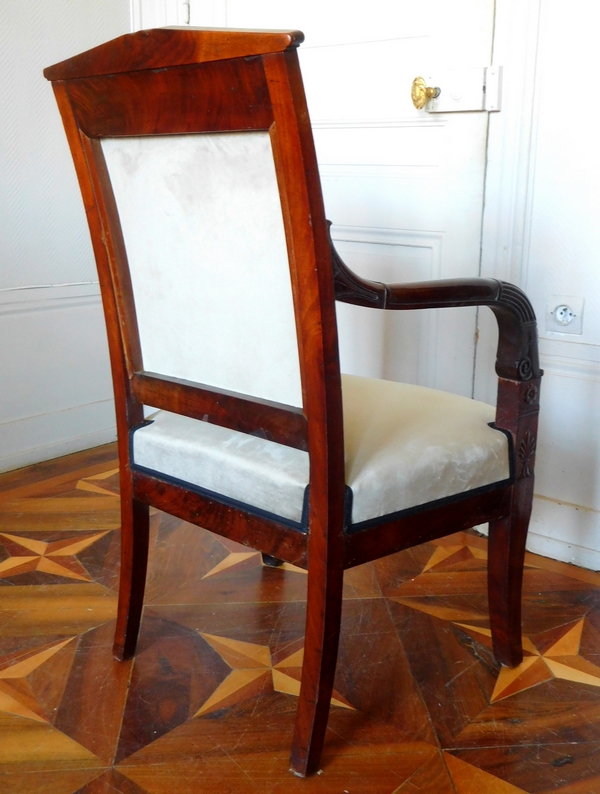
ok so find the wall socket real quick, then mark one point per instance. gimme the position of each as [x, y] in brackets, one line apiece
[564, 314]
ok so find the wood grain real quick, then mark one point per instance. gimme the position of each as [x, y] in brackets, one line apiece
[422, 720]
[168, 82]
[171, 47]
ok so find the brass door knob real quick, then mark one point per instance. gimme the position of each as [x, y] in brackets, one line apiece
[420, 93]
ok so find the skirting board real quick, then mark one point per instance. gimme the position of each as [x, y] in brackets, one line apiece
[562, 531]
[63, 432]
[565, 532]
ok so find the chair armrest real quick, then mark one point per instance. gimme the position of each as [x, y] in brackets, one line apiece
[517, 356]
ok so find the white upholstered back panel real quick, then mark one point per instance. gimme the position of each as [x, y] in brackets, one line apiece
[203, 228]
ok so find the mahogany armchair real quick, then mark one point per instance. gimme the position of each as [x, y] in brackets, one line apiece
[195, 158]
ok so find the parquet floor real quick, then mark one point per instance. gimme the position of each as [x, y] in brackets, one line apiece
[208, 703]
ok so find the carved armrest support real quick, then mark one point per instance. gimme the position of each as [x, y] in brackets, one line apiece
[517, 358]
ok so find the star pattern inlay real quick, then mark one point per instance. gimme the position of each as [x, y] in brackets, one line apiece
[454, 553]
[72, 719]
[17, 696]
[555, 654]
[53, 557]
[250, 665]
[89, 483]
[560, 660]
[238, 557]
[468, 778]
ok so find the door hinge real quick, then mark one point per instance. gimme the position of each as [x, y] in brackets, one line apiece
[185, 12]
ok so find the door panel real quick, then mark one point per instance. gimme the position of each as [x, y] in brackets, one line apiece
[404, 188]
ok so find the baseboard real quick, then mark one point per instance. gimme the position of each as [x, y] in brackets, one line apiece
[564, 532]
[62, 432]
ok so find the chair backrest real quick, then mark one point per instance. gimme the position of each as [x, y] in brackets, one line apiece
[203, 230]
[195, 158]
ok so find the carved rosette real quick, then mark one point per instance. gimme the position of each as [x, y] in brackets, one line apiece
[531, 394]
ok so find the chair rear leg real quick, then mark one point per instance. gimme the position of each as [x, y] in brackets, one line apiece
[134, 562]
[506, 555]
[270, 561]
[323, 616]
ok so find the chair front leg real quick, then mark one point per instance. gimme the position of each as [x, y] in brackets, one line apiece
[324, 607]
[506, 555]
[134, 561]
[517, 414]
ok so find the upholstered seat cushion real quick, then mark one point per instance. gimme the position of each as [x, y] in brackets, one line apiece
[268, 476]
[405, 446]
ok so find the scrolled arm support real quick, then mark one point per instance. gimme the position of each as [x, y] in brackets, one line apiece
[517, 409]
[517, 356]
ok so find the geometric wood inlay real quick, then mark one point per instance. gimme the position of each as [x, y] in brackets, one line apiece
[57, 557]
[561, 661]
[470, 780]
[249, 664]
[238, 557]
[415, 662]
[16, 694]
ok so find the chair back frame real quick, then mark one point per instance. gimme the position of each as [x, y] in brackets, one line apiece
[165, 82]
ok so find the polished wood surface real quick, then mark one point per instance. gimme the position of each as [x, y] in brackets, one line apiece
[183, 81]
[208, 704]
[101, 93]
[228, 409]
[172, 47]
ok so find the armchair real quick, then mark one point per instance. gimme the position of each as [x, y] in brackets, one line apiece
[195, 158]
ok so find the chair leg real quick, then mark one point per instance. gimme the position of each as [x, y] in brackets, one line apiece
[323, 616]
[134, 561]
[506, 554]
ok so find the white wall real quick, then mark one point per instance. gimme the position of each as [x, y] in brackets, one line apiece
[55, 395]
[542, 231]
[562, 255]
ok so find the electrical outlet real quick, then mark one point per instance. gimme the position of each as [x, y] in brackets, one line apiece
[564, 314]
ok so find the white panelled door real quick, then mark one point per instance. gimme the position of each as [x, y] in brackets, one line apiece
[403, 187]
